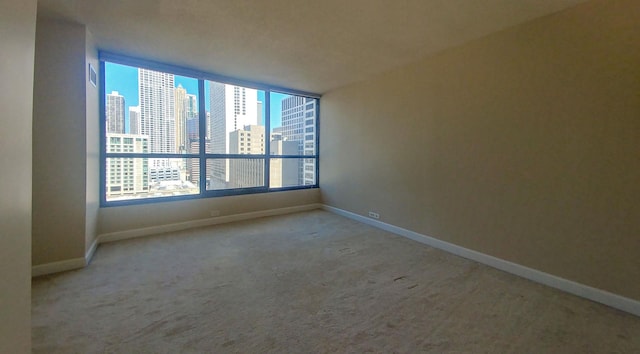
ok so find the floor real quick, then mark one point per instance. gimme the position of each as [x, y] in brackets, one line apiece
[311, 282]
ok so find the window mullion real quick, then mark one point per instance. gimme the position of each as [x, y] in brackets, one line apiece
[202, 136]
[267, 138]
[133, 157]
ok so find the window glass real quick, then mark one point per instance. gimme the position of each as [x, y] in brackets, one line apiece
[235, 119]
[289, 122]
[292, 172]
[167, 135]
[139, 178]
[235, 173]
[159, 106]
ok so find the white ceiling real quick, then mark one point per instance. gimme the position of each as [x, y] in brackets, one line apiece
[309, 45]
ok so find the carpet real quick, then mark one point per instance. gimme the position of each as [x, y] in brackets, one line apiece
[310, 282]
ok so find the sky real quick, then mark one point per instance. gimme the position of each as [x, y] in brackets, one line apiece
[124, 80]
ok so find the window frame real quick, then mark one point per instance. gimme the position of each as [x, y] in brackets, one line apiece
[202, 156]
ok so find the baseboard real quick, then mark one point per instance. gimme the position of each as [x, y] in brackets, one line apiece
[56, 267]
[152, 230]
[63, 266]
[89, 255]
[77, 263]
[584, 291]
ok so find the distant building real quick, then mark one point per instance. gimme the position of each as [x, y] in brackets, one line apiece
[283, 172]
[299, 124]
[276, 130]
[157, 110]
[127, 176]
[193, 166]
[245, 173]
[156, 93]
[249, 140]
[186, 110]
[180, 97]
[169, 173]
[191, 112]
[232, 108]
[115, 113]
[134, 120]
[193, 126]
[259, 113]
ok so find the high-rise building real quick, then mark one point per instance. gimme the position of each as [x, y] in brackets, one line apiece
[192, 130]
[134, 120]
[259, 113]
[157, 110]
[157, 116]
[186, 109]
[115, 113]
[191, 111]
[193, 168]
[249, 140]
[191, 106]
[209, 126]
[244, 173]
[299, 124]
[232, 108]
[283, 172]
[127, 176]
[180, 97]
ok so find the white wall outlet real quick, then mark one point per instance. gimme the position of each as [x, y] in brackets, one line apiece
[215, 213]
[374, 215]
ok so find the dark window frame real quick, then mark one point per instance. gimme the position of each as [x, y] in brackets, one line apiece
[202, 156]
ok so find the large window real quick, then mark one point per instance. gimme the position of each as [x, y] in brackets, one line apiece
[173, 133]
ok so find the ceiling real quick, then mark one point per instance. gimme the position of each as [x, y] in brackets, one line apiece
[309, 45]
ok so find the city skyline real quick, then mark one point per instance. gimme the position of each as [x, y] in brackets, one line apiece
[124, 80]
[162, 109]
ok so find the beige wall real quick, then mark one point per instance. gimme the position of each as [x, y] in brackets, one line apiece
[66, 213]
[93, 144]
[115, 219]
[59, 142]
[523, 145]
[17, 30]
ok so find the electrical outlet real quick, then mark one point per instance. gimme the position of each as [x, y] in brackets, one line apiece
[374, 215]
[215, 213]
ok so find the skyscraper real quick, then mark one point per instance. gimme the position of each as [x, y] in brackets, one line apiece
[259, 112]
[283, 172]
[232, 108]
[157, 110]
[186, 109]
[180, 97]
[299, 124]
[193, 167]
[134, 120]
[191, 106]
[115, 112]
[244, 173]
[191, 112]
[157, 116]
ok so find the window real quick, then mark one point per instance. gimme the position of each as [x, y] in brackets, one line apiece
[171, 133]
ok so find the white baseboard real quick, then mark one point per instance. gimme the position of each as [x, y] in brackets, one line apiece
[152, 230]
[76, 263]
[584, 291]
[56, 267]
[68, 264]
[89, 255]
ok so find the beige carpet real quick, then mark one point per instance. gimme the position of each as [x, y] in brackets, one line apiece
[311, 282]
